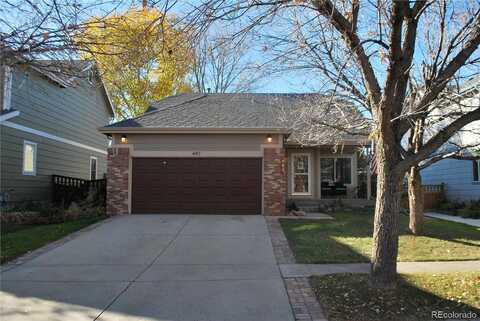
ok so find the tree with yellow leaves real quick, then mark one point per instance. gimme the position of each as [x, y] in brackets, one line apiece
[141, 55]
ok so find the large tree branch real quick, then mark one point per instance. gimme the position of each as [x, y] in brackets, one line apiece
[355, 11]
[395, 53]
[439, 83]
[408, 50]
[459, 60]
[459, 38]
[452, 155]
[342, 25]
[439, 139]
[339, 75]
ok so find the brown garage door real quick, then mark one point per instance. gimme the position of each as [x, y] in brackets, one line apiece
[197, 185]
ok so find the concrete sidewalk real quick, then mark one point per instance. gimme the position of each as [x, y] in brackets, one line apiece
[306, 270]
[153, 267]
[458, 219]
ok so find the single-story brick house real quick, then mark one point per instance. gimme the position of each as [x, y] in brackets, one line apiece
[224, 154]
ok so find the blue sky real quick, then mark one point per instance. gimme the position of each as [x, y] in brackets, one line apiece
[284, 83]
[287, 82]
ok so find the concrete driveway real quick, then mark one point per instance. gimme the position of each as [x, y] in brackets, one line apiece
[153, 267]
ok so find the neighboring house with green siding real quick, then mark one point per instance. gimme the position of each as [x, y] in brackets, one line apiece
[48, 126]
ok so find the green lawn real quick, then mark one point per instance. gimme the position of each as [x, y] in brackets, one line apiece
[346, 297]
[348, 239]
[19, 239]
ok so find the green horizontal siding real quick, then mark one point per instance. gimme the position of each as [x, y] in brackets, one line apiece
[53, 158]
[73, 113]
[70, 113]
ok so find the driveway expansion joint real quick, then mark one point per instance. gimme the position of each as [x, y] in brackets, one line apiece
[143, 270]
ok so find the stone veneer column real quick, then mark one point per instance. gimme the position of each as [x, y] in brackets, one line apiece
[274, 181]
[118, 161]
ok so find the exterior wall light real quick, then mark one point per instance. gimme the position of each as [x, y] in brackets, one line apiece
[269, 138]
[124, 139]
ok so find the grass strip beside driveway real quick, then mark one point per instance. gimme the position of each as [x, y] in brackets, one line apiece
[348, 239]
[20, 239]
[346, 297]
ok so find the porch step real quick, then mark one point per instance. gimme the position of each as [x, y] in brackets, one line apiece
[326, 205]
[309, 209]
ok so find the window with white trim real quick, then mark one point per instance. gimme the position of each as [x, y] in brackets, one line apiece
[301, 173]
[93, 168]
[29, 158]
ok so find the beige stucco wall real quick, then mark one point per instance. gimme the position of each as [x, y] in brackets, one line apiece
[196, 142]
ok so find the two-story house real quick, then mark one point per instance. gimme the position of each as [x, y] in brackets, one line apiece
[48, 126]
[461, 177]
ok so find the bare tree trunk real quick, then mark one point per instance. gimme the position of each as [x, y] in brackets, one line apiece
[387, 211]
[415, 201]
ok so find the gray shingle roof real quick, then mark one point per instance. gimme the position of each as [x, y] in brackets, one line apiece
[244, 111]
[215, 111]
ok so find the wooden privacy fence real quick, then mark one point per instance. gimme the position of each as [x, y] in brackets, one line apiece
[66, 190]
[432, 196]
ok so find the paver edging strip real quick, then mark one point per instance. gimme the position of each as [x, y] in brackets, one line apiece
[281, 248]
[303, 302]
[24, 258]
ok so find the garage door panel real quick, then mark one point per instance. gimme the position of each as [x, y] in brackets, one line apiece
[196, 185]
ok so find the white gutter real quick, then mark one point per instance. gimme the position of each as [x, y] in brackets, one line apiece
[346, 142]
[132, 130]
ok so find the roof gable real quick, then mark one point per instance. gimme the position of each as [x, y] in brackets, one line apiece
[67, 74]
[242, 112]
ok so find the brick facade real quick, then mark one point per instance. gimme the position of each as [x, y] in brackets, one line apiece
[117, 180]
[274, 181]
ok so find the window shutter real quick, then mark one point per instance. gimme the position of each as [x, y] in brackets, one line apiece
[475, 170]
